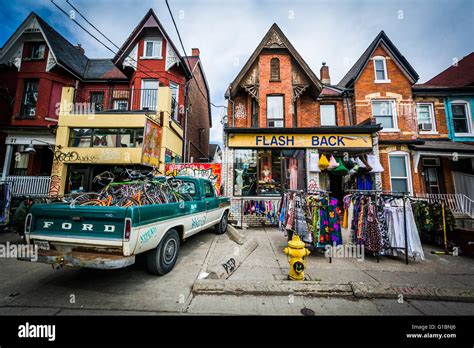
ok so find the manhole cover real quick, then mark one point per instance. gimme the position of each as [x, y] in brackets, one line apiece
[307, 312]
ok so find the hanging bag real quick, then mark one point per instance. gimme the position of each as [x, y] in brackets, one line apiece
[374, 162]
[323, 162]
[332, 163]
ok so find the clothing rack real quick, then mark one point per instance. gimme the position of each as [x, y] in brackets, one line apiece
[404, 196]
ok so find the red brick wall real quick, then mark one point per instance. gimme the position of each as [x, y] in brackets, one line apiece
[417, 179]
[308, 111]
[198, 117]
[439, 114]
[399, 89]
[283, 87]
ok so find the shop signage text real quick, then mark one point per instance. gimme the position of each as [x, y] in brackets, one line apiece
[301, 140]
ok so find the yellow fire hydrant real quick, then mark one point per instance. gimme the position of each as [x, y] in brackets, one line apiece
[296, 252]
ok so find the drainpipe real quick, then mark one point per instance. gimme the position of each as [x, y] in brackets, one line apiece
[349, 113]
[186, 107]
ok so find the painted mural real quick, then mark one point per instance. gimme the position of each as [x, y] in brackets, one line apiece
[151, 144]
[211, 171]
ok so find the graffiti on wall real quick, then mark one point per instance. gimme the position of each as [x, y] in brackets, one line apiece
[151, 144]
[211, 171]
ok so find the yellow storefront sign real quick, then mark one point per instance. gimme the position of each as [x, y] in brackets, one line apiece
[301, 140]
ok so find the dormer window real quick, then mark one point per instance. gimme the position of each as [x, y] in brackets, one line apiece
[275, 69]
[37, 50]
[152, 49]
[380, 68]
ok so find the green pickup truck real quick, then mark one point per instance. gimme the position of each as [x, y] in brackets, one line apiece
[111, 237]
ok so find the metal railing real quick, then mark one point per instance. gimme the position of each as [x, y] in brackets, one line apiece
[29, 185]
[458, 203]
[114, 99]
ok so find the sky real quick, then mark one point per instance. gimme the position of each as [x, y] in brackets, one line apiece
[431, 34]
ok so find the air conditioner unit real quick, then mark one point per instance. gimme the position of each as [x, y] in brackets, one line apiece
[425, 126]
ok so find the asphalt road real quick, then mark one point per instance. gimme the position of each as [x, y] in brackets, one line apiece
[36, 289]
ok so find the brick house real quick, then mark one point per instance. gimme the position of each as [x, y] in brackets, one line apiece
[282, 116]
[199, 111]
[446, 159]
[123, 93]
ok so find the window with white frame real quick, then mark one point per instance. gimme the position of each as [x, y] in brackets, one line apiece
[328, 114]
[461, 117]
[380, 68]
[152, 48]
[425, 116]
[174, 100]
[384, 113]
[275, 113]
[400, 178]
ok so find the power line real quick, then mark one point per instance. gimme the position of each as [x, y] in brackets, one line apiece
[119, 48]
[185, 55]
[92, 35]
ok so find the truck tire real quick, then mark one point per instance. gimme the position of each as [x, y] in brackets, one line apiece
[221, 227]
[162, 259]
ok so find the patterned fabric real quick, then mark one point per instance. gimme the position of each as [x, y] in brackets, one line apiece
[373, 236]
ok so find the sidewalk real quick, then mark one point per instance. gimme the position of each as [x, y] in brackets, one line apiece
[438, 277]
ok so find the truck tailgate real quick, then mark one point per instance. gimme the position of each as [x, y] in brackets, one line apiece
[62, 221]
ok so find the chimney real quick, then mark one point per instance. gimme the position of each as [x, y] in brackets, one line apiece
[195, 52]
[325, 79]
[79, 47]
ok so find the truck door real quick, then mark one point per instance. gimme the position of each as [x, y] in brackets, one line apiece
[212, 204]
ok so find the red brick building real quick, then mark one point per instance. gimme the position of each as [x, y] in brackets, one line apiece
[36, 62]
[282, 117]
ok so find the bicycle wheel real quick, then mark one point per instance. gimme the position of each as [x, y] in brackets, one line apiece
[93, 202]
[128, 202]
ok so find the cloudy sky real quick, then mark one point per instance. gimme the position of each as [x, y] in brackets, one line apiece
[429, 33]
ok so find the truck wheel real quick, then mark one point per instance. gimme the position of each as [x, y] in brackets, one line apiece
[161, 260]
[221, 227]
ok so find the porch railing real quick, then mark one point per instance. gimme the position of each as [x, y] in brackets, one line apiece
[35, 186]
[459, 204]
[114, 99]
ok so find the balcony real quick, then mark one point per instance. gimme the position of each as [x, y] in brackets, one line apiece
[114, 100]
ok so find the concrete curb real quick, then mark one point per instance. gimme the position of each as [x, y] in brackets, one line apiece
[235, 235]
[229, 262]
[414, 292]
[316, 289]
[228, 287]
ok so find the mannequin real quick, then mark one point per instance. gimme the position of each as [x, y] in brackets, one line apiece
[266, 174]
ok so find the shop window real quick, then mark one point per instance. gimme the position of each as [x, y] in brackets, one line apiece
[268, 172]
[399, 172]
[274, 69]
[103, 137]
[384, 113]
[30, 98]
[461, 117]
[174, 100]
[380, 68]
[80, 137]
[328, 114]
[275, 114]
[425, 117]
[37, 50]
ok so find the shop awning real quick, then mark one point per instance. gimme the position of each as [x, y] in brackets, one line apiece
[443, 148]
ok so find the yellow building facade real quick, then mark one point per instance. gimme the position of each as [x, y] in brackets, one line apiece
[159, 136]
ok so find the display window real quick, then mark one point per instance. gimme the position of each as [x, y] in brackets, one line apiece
[268, 172]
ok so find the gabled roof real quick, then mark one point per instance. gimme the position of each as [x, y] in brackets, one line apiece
[67, 55]
[382, 38]
[274, 30]
[460, 75]
[149, 20]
